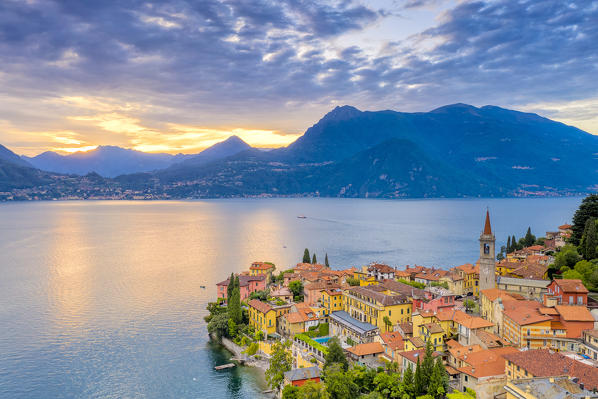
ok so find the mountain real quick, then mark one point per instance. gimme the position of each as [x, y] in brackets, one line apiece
[231, 146]
[9, 156]
[462, 150]
[111, 161]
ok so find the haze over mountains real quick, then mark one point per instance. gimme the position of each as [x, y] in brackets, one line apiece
[453, 151]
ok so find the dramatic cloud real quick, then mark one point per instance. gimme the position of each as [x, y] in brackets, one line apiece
[125, 71]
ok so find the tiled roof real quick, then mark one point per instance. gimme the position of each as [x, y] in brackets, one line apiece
[490, 340]
[370, 348]
[416, 354]
[315, 267]
[524, 282]
[406, 327]
[545, 363]
[530, 270]
[386, 300]
[593, 333]
[459, 351]
[320, 285]
[462, 318]
[282, 291]
[451, 343]
[487, 363]
[302, 374]
[565, 227]
[381, 268]
[574, 313]
[524, 312]
[417, 342]
[261, 266]
[402, 288]
[434, 328]
[393, 339]
[572, 286]
[260, 306]
[243, 280]
[493, 293]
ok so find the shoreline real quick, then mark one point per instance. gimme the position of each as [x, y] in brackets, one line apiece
[237, 352]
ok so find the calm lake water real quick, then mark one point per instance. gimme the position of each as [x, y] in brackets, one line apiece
[103, 299]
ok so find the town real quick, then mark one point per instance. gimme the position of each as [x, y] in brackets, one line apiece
[520, 322]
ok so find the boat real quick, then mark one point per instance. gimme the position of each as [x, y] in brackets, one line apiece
[301, 217]
[202, 286]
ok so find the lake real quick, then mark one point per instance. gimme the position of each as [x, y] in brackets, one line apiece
[103, 299]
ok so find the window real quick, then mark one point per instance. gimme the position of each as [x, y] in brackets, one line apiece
[580, 300]
[571, 299]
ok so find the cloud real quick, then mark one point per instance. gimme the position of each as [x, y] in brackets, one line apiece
[276, 65]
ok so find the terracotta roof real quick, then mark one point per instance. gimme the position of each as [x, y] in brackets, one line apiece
[406, 327]
[315, 267]
[261, 266]
[282, 291]
[333, 292]
[394, 340]
[574, 313]
[487, 362]
[545, 363]
[381, 268]
[490, 340]
[524, 312]
[417, 342]
[260, 306]
[451, 343]
[460, 317]
[416, 354]
[493, 293]
[434, 328]
[565, 227]
[459, 351]
[295, 317]
[572, 286]
[548, 311]
[487, 228]
[320, 285]
[370, 348]
[530, 270]
[243, 280]
[468, 268]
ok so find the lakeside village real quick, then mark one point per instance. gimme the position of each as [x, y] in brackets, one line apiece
[520, 324]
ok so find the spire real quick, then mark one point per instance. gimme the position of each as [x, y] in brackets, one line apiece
[487, 228]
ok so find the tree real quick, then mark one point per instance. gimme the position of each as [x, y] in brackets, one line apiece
[352, 281]
[568, 256]
[407, 385]
[339, 384]
[388, 385]
[419, 383]
[312, 390]
[439, 382]
[427, 366]
[587, 245]
[587, 209]
[218, 325]
[296, 287]
[387, 323]
[529, 238]
[306, 257]
[513, 243]
[281, 360]
[326, 260]
[290, 392]
[230, 286]
[335, 354]
[234, 303]
[509, 245]
[572, 275]
[313, 259]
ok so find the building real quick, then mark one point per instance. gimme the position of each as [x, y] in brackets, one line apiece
[381, 272]
[313, 291]
[351, 330]
[547, 388]
[332, 300]
[367, 354]
[247, 285]
[527, 287]
[283, 293]
[259, 268]
[298, 321]
[262, 316]
[393, 343]
[433, 333]
[471, 278]
[483, 371]
[589, 346]
[298, 377]
[567, 292]
[409, 359]
[546, 363]
[488, 299]
[371, 305]
[487, 257]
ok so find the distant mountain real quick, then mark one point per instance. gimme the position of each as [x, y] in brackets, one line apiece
[112, 161]
[9, 156]
[231, 146]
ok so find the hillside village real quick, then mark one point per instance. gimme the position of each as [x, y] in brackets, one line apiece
[518, 327]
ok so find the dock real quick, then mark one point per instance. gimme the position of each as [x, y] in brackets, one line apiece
[225, 366]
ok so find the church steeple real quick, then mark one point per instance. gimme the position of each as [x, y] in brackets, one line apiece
[487, 256]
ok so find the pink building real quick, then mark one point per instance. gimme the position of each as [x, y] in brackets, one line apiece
[247, 284]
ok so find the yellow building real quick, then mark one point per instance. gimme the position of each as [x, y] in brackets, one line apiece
[471, 278]
[414, 343]
[259, 268]
[487, 301]
[420, 318]
[433, 333]
[332, 300]
[262, 316]
[371, 305]
[525, 326]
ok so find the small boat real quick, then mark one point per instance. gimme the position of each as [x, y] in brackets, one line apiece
[202, 286]
[301, 217]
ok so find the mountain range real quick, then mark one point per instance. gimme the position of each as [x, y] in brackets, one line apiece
[453, 151]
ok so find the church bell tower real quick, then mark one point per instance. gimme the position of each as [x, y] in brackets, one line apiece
[487, 257]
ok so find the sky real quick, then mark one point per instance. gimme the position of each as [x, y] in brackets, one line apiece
[180, 75]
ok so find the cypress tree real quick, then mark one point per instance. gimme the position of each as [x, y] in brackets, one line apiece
[419, 385]
[326, 260]
[438, 385]
[589, 252]
[428, 363]
[513, 244]
[314, 260]
[529, 238]
[306, 257]
[509, 244]
[230, 286]
[234, 304]
[587, 209]
[407, 383]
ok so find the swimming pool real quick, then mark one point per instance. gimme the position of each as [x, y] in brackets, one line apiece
[322, 340]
